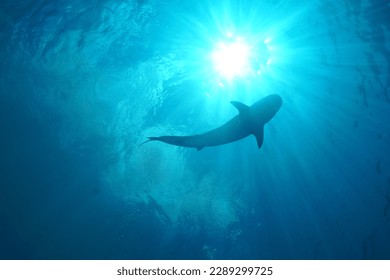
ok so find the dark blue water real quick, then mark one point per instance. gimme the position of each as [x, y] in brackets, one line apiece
[84, 83]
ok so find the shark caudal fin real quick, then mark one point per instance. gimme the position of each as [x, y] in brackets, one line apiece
[150, 139]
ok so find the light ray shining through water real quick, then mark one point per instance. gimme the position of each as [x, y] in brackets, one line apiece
[234, 53]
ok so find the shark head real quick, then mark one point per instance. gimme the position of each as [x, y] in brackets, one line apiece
[265, 109]
[257, 115]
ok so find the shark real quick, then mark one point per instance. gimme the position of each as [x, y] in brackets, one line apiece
[249, 121]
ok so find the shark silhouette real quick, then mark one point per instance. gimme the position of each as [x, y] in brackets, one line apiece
[250, 120]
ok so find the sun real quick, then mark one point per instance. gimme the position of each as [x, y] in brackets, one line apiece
[231, 58]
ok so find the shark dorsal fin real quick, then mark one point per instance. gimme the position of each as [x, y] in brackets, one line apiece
[242, 108]
[259, 134]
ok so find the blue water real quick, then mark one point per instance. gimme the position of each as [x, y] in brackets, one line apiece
[84, 83]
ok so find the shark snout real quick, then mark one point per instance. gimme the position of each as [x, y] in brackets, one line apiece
[266, 108]
[276, 101]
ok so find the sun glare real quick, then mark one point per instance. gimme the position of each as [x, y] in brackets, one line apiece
[231, 58]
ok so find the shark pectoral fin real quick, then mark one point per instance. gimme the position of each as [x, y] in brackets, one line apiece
[259, 134]
[199, 148]
[242, 108]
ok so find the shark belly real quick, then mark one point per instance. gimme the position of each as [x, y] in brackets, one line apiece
[230, 132]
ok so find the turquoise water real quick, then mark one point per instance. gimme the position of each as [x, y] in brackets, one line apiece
[84, 83]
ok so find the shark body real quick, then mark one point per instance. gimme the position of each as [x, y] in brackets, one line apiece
[250, 120]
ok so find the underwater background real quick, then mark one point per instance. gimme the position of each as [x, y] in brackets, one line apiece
[84, 83]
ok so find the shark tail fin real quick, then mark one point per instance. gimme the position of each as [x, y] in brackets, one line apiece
[150, 139]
